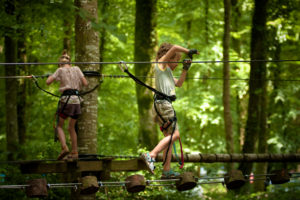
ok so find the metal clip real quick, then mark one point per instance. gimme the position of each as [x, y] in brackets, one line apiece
[34, 78]
[100, 184]
[123, 66]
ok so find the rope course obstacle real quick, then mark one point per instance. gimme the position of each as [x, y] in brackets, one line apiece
[101, 168]
[136, 183]
[102, 163]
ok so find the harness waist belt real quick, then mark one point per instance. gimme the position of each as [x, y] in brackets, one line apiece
[70, 92]
[168, 98]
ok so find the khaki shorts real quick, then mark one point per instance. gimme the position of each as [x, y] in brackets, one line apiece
[166, 110]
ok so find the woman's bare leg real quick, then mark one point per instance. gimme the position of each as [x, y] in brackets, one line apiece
[73, 134]
[61, 134]
[163, 144]
[167, 165]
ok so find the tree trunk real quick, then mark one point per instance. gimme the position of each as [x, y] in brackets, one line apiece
[226, 82]
[145, 41]
[206, 24]
[236, 15]
[87, 50]
[67, 35]
[22, 70]
[206, 41]
[257, 83]
[104, 6]
[11, 88]
[241, 111]
[236, 46]
[261, 168]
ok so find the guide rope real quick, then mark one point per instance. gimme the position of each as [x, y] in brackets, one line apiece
[152, 77]
[149, 62]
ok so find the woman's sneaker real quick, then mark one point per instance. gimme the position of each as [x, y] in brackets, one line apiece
[169, 174]
[149, 162]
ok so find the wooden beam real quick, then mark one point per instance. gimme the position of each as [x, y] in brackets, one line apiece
[128, 165]
[82, 166]
[137, 164]
[250, 157]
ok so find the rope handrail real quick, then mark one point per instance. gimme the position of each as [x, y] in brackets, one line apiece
[116, 76]
[149, 62]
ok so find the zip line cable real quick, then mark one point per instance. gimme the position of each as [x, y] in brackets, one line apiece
[152, 77]
[149, 62]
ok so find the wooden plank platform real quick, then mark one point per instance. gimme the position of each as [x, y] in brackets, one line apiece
[111, 165]
[82, 166]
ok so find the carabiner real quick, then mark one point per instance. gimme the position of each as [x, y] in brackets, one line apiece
[123, 66]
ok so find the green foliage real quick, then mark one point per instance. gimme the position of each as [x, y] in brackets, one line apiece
[193, 24]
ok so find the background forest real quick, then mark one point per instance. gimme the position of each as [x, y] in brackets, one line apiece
[262, 113]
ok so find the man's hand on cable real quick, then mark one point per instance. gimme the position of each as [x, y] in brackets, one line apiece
[191, 52]
[186, 64]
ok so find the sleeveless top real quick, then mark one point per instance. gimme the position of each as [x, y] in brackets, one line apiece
[164, 80]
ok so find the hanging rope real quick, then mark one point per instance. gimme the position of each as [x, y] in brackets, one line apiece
[80, 93]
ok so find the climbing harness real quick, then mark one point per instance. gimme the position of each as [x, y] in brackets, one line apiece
[68, 93]
[165, 125]
[159, 96]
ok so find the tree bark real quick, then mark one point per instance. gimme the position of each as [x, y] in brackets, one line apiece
[226, 82]
[68, 18]
[257, 91]
[145, 42]
[236, 15]
[104, 6]
[11, 87]
[206, 24]
[67, 35]
[22, 70]
[236, 46]
[87, 50]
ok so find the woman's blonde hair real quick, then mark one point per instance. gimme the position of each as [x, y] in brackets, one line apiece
[64, 55]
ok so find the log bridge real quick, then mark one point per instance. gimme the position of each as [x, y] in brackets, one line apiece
[89, 170]
[103, 167]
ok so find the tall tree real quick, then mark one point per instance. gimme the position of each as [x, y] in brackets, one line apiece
[68, 22]
[256, 121]
[206, 21]
[144, 44]
[87, 50]
[22, 70]
[104, 16]
[11, 87]
[226, 81]
[241, 108]
[235, 15]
